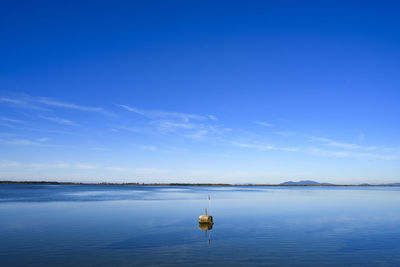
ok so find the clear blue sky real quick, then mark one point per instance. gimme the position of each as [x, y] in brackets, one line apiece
[200, 91]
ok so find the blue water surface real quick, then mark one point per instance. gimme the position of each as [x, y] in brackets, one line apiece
[94, 225]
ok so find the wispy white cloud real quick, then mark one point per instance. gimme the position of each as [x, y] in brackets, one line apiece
[353, 154]
[200, 134]
[9, 134]
[61, 165]
[131, 109]
[85, 166]
[333, 143]
[81, 166]
[44, 103]
[212, 117]
[149, 171]
[119, 169]
[22, 101]
[330, 153]
[10, 120]
[170, 126]
[59, 120]
[150, 148]
[9, 164]
[187, 125]
[23, 142]
[97, 148]
[350, 150]
[188, 129]
[138, 171]
[284, 133]
[38, 165]
[338, 149]
[186, 117]
[55, 103]
[264, 147]
[263, 123]
[10, 100]
[6, 125]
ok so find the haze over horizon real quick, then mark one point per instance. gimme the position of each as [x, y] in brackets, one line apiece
[200, 92]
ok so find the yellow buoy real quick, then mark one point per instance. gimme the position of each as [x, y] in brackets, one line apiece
[205, 218]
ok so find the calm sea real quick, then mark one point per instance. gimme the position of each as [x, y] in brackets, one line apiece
[57, 225]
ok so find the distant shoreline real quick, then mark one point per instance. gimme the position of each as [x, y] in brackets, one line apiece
[195, 184]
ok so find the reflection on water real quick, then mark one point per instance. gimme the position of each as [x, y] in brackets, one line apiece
[43, 225]
[205, 226]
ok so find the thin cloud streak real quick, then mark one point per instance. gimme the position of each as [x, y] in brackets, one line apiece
[23, 142]
[284, 134]
[11, 100]
[263, 123]
[60, 121]
[351, 150]
[150, 148]
[187, 127]
[212, 117]
[10, 120]
[191, 126]
[119, 169]
[9, 164]
[186, 117]
[62, 165]
[333, 143]
[85, 166]
[23, 101]
[264, 147]
[149, 171]
[54, 103]
[7, 125]
[352, 154]
[81, 166]
[42, 103]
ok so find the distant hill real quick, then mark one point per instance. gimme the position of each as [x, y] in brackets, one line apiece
[305, 182]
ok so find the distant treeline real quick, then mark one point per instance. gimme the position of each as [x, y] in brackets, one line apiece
[185, 184]
[106, 183]
[63, 183]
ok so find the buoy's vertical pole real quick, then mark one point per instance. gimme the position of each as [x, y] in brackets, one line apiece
[209, 203]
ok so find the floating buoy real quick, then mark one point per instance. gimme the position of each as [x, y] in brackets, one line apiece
[205, 218]
[206, 222]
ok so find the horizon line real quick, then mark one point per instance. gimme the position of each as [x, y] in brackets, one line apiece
[189, 184]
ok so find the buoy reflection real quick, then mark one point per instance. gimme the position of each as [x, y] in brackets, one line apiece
[206, 227]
